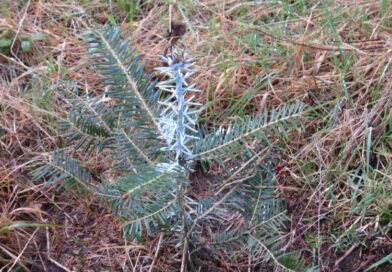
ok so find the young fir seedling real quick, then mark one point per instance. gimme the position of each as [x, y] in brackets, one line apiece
[156, 143]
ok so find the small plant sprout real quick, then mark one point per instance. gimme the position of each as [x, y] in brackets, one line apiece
[156, 147]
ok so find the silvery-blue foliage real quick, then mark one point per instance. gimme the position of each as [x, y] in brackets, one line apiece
[178, 110]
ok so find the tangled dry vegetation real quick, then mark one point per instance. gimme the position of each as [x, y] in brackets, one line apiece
[335, 173]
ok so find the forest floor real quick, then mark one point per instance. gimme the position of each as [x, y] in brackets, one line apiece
[335, 174]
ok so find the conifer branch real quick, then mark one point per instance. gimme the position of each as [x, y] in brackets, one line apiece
[239, 132]
[266, 249]
[151, 215]
[137, 148]
[129, 79]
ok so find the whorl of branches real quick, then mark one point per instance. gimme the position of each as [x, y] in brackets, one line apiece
[155, 139]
